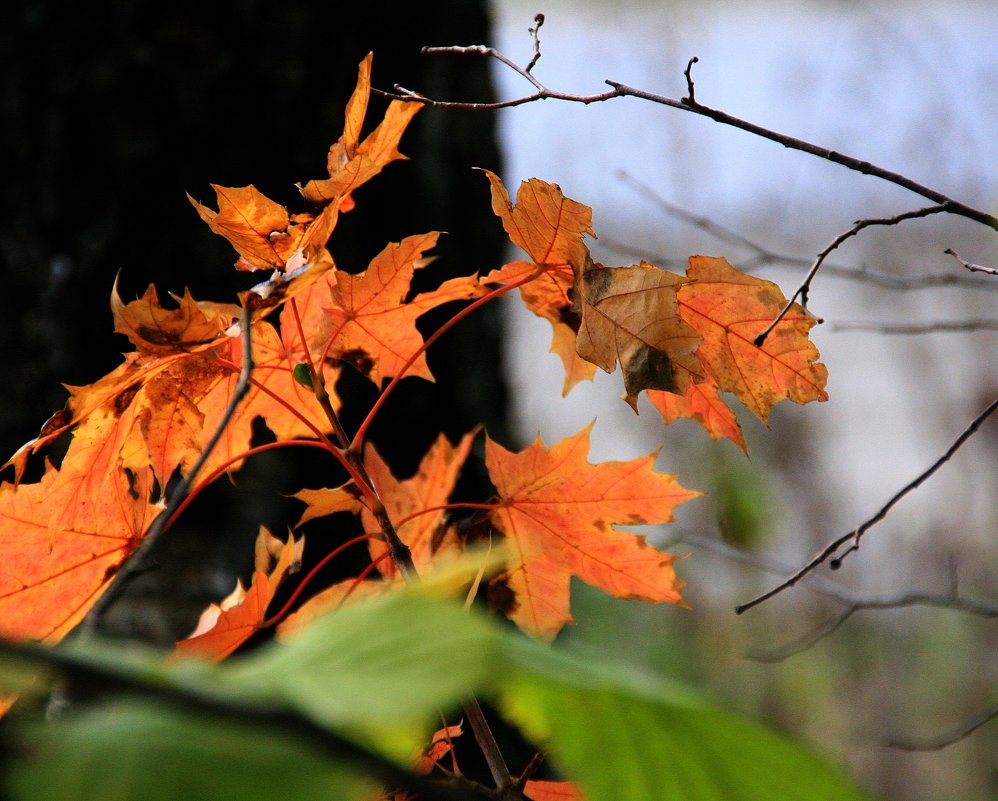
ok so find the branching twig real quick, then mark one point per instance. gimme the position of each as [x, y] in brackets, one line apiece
[831, 589]
[763, 255]
[974, 268]
[859, 225]
[851, 602]
[942, 741]
[828, 553]
[689, 104]
[942, 326]
[136, 563]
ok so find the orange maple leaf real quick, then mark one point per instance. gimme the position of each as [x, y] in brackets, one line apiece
[548, 295]
[368, 322]
[729, 309]
[259, 229]
[225, 626]
[351, 162]
[64, 537]
[262, 231]
[152, 329]
[701, 403]
[549, 227]
[537, 790]
[67, 534]
[406, 501]
[557, 512]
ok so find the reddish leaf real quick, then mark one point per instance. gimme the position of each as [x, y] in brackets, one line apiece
[557, 512]
[64, 537]
[441, 744]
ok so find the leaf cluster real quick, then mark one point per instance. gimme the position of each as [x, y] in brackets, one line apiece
[371, 674]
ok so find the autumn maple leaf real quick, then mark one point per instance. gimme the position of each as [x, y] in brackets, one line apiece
[630, 315]
[702, 404]
[557, 512]
[539, 790]
[407, 501]
[67, 534]
[223, 627]
[366, 320]
[412, 503]
[549, 227]
[262, 231]
[728, 309]
[601, 316]
[352, 162]
[64, 537]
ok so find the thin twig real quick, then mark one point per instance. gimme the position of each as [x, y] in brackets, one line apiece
[763, 255]
[535, 33]
[831, 589]
[618, 89]
[829, 551]
[942, 326]
[974, 268]
[859, 225]
[690, 98]
[136, 563]
[942, 741]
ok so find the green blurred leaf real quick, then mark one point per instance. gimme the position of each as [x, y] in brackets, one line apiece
[394, 660]
[624, 734]
[135, 749]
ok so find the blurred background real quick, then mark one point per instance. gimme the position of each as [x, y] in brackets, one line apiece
[112, 111]
[914, 89]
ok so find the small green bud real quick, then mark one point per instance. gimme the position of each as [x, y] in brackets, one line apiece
[303, 375]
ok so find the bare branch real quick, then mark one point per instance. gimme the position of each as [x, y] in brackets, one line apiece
[859, 225]
[942, 741]
[942, 326]
[763, 255]
[822, 585]
[974, 268]
[689, 104]
[828, 553]
[851, 602]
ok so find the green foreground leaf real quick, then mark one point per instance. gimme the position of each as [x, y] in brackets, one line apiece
[380, 667]
[138, 749]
